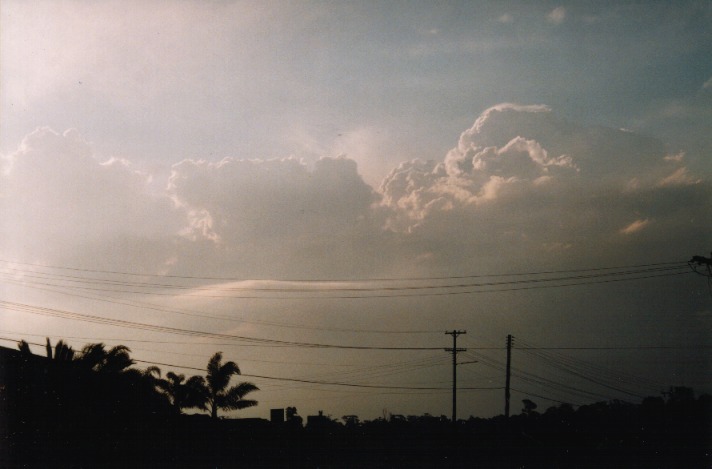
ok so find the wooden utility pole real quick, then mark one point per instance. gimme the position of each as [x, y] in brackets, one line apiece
[454, 351]
[509, 372]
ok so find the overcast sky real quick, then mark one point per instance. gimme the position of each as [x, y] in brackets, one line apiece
[364, 174]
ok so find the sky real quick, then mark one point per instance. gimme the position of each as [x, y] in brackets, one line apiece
[320, 190]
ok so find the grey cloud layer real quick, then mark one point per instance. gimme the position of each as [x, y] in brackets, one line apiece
[234, 200]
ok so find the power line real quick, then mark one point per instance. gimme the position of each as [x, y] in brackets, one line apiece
[590, 348]
[20, 307]
[520, 374]
[154, 307]
[328, 383]
[393, 291]
[286, 289]
[527, 393]
[603, 376]
[318, 382]
[535, 379]
[297, 280]
[296, 380]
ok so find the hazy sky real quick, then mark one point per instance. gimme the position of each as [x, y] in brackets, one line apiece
[364, 174]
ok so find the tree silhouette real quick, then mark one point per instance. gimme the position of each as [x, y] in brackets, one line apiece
[97, 358]
[24, 348]
[149, 379]
[529, 407]
[218, 395]
[184, 394]
[62, 351]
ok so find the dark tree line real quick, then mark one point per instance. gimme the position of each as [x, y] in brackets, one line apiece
[92, 408]
[210, 393]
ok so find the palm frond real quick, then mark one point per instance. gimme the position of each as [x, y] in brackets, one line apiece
[233, 399]
[152, 371]
[93, 355]
[24, 347]
[63, 352]
[197, 393]
[244, 404]
[48, 347]
[174, 378]
[219, 375]
[117, 359]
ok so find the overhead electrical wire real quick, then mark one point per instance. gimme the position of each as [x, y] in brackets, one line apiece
[72, 280]
[193, 313]
[387, 369]
[594, 276]
[556, 386]
[52, 312]
[235, 279]
[412, 366]
[330, 383]
[527, 393]
[311, 381]
[596, 374]
[70, 284]
[228, 344]
[600, 376]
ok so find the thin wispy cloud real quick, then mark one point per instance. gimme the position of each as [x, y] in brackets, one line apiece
[636, 226]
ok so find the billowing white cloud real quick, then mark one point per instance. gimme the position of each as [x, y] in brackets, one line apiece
[266, 198]
[519, 175]
[265, 212]
[522, 175]
[59, 201]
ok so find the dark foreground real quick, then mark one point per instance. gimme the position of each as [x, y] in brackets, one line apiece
[56, 417]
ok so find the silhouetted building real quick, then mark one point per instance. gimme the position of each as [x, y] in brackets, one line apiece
[276, 415]
[320, 421]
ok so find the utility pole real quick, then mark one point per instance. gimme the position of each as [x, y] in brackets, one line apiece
[454, 351]
[509, 372]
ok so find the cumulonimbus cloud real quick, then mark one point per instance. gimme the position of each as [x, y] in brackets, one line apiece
[59, 201]
[519, 176]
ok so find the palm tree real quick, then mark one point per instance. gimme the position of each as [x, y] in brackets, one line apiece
[62, 351]
[218, 395]
[114, 360]
[183, 394]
